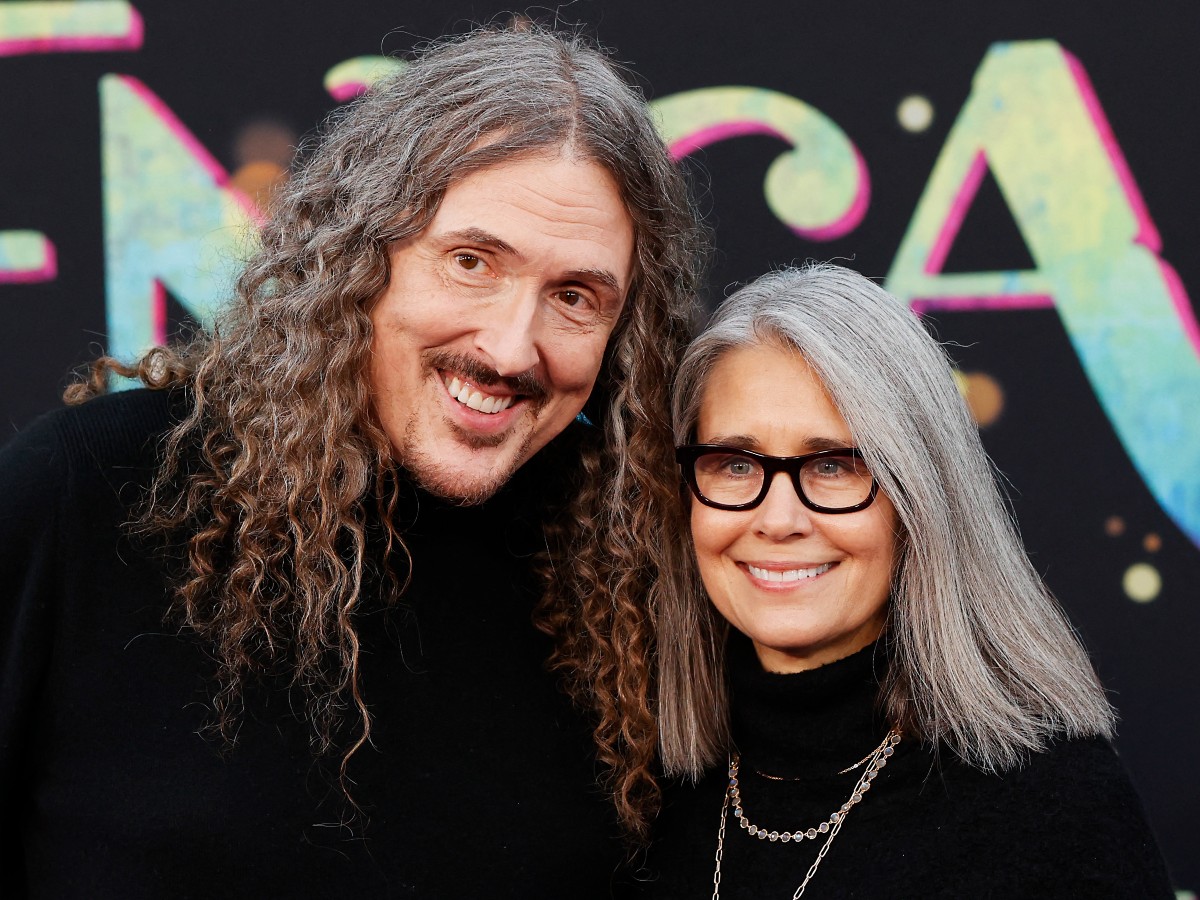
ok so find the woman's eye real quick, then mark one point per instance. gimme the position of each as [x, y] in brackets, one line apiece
[833, 468]
[739, 468]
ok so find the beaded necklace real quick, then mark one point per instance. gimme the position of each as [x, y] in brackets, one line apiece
[875, 762]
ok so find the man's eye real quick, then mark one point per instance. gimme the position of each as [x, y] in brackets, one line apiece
[574, 299]
[469, 261]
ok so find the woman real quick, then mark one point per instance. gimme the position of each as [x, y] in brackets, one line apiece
[903, 709]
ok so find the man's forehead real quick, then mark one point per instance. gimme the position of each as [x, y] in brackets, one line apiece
[549, 207]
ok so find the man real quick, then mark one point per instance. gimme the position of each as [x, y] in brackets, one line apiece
[268, 630]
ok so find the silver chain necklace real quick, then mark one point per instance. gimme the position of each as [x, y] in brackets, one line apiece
[877, 759]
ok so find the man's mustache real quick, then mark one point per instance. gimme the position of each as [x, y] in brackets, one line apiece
[527, 383]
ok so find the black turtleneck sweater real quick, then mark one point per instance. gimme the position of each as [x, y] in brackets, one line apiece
[479, 781]
[1066, 824]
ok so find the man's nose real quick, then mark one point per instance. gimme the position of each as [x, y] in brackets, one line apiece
[507, 336]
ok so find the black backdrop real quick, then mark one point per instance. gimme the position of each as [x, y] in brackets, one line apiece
[233, 72]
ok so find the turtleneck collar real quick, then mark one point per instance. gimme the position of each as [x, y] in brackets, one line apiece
[807, 723]
[538, 485]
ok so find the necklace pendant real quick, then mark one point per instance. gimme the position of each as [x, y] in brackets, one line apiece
[875, 761]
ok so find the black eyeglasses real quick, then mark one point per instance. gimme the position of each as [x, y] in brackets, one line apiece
[828, 481]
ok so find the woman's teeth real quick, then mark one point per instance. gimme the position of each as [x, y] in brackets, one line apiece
[788, 574]
[475, 398]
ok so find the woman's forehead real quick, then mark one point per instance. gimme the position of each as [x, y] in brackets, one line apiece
[765, 394]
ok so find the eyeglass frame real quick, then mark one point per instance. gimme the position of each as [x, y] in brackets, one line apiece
[687, 454]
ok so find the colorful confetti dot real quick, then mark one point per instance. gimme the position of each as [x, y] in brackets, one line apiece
[259, 181]
[264, 140]
[984, 396]
[1142, 582]
[915, 113]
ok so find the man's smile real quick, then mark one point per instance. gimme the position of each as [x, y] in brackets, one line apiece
[476, 398]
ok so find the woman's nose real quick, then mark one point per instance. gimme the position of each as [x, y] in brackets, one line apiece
[782, 514]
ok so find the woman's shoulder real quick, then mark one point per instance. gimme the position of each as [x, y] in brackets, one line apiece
[1072, 801]
[1076, 777]
[1068, 758]
[1083, 774]
[1065, 823]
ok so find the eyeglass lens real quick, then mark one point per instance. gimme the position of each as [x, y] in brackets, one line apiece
[834, 482]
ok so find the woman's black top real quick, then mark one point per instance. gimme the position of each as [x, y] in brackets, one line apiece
[1066, 824]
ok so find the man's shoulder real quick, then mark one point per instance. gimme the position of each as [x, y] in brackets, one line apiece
[117, 425]
[122, 430]
[78, 470]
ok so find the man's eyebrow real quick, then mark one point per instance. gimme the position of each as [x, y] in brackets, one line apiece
[472, 235]
[479, 236]
[602, 277]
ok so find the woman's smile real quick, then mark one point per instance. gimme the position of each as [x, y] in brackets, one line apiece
[787, 574]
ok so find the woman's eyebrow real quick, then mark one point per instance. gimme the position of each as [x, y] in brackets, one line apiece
[750, 442]
[813, 444]
[743, 441]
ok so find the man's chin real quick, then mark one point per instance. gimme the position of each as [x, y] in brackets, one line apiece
[477, 477]
[473, 440]
[458, 488]
[462, 466]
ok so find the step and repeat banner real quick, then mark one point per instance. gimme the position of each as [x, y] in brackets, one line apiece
[1018, 172]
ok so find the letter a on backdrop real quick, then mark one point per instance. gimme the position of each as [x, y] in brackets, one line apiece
[1034, 120]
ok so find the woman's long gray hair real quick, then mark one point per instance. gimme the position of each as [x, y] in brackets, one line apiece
[983, 660]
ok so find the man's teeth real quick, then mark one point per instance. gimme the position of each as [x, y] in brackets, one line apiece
[788, 574]
[476, 399]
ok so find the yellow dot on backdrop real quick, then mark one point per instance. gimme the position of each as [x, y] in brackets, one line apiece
[984, 396]
[1142, 582]
[1114, 526]
[1152, 542]
[915, 113]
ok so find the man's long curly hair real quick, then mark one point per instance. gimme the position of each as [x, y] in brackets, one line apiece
[280, 466]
